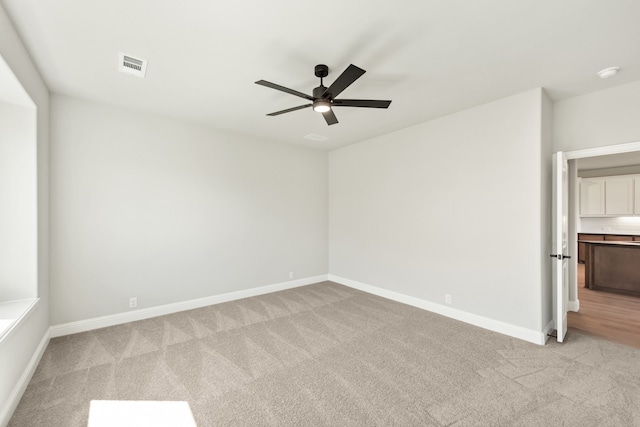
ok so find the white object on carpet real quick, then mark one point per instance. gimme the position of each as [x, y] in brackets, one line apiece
[139, 413]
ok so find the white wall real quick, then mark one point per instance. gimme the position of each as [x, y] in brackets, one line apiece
[449, 206]
[598, 119]
[611, 225]
[18, 349]
[546, 128]
[168, 211]
[18, 216]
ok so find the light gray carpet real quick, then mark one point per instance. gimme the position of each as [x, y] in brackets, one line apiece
[329, 355]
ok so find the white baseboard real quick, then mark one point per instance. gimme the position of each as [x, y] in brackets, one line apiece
[574, 305]
[23, 382]
[146, 313]
[536, 337]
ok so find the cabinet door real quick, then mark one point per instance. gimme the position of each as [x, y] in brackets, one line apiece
[619, 195]
[592, 197]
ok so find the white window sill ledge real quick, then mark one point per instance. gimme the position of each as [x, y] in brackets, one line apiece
[12, 313]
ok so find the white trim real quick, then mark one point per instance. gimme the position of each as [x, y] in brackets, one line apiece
[23, 382]
[146, 313]
[603, 151]
[536, 337]
[574, 306]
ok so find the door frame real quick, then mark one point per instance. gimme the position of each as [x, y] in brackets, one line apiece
[629, 147]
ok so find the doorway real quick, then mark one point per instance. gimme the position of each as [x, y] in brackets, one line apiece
[611, 316]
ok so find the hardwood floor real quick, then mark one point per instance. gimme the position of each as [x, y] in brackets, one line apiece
[611, 316]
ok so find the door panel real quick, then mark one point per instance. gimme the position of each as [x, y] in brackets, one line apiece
[560, 245]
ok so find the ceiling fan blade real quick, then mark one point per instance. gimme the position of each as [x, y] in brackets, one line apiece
[367, 103]
[288, 110]
[330, 117]
[344, 80]
[284, 89]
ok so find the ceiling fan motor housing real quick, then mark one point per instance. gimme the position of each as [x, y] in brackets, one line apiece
[319, 91]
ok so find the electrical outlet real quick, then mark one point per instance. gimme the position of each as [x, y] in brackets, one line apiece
[447, 298]
[133, 302]
[606, 228]
[291, 275]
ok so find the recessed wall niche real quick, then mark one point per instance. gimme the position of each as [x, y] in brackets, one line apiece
[18, 190]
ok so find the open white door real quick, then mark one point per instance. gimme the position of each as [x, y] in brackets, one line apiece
[560, 243]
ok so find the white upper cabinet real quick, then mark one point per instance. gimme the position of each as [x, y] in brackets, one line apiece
[610, 196]
[619, 195]
[592, 197]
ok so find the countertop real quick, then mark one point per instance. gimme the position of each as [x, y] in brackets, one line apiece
[611, 242]
[610, 233]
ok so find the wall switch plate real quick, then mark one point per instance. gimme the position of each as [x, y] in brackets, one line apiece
[291, 275]
[447, 298]
[133, 302]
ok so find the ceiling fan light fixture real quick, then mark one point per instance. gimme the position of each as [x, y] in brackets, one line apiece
[321, 106]
[324, 98]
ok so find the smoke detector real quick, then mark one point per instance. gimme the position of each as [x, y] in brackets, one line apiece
[129, 65]
[608, 72]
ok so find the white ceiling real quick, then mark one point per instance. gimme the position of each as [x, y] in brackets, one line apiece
[430, 57]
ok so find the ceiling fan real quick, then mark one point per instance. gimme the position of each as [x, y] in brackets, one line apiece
[324, 98]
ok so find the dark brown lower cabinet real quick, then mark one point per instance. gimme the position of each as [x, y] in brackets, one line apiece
[612, 267]
[581, 246]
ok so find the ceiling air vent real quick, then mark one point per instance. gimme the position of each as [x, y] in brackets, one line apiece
[130, 65]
